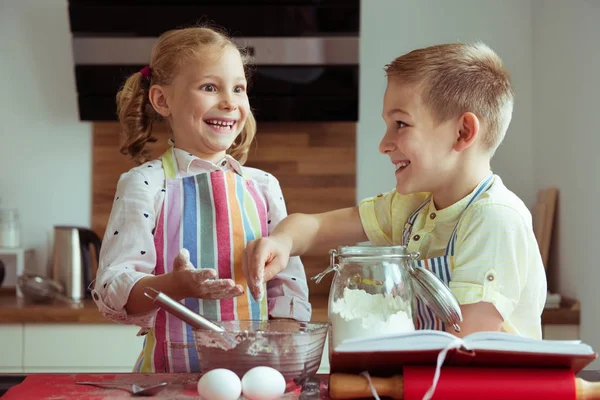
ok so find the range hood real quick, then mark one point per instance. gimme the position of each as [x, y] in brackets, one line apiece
[305, 52]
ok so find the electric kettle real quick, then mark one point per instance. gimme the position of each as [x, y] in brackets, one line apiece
[72, 265]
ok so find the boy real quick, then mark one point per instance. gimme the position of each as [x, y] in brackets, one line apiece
[447, 109]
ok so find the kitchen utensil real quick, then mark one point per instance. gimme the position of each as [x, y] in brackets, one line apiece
[180, 311]
[293, 348]
[132, 387]
[468, 383]
[41, 290]
[72, 261]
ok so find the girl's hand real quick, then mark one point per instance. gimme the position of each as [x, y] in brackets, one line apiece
[200, 283]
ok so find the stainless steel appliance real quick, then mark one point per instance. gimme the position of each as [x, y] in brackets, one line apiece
[72, 264]
[305, 52]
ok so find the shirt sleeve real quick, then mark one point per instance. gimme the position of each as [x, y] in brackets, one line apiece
[127, 253]
[491, 257]
[287, 292]
[376, 218]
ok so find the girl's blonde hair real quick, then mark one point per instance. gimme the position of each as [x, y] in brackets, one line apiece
[173, 49]
[456, 78]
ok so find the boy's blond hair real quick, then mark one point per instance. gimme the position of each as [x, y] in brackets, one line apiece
[456, 78]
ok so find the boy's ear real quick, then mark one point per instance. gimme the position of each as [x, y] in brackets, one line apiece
[468, 130]
[158, 99]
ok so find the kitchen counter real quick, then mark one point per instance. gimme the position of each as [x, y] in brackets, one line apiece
[18, 311]
[181, 386]
[15, 310]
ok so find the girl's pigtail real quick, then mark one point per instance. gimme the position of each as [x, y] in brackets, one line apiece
[136, 116]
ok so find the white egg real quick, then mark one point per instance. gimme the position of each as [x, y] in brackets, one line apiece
[263, 383]
[219, 384]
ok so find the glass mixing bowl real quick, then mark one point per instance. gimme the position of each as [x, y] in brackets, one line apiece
[293, 348]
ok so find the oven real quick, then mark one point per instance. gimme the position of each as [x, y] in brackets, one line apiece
[305, 52]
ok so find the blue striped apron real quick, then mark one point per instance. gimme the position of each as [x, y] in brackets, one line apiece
[441, 266]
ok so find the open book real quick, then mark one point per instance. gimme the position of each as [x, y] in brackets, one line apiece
[481, 348]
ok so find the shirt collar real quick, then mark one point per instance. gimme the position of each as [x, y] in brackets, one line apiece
[453, 212]
[184, 162]
[449, 213]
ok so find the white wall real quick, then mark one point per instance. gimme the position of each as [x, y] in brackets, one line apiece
[45, 152]
[390, 28]
[566, 64]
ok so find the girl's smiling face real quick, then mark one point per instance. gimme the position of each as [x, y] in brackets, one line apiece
[206, 104]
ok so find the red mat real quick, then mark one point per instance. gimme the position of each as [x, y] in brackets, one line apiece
[62, 386]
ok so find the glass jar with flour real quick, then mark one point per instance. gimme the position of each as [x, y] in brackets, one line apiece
[374, 289]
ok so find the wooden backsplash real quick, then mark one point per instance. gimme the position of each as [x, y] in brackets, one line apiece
[315, 164]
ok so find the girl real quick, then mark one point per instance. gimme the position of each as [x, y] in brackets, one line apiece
[179, 223]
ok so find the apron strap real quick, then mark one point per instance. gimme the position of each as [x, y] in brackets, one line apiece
[169, 165]
[482, 188]
[411, 221]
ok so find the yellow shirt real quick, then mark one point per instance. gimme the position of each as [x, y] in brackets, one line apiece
[496, 256]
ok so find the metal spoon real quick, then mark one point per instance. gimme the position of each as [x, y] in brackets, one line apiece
[133, 388]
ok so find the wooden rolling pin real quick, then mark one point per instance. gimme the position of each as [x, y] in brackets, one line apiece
[465, 383]
[348, 386]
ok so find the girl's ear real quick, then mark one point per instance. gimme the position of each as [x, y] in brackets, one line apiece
[158, 98]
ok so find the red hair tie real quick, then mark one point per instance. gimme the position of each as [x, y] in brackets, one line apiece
[146, 72]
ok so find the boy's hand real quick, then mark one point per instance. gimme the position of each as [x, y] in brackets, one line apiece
[263, 259]
[478, 317]
[200, 283]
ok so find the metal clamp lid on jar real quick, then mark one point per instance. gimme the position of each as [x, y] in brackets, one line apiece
[428, 287]
[364, 253]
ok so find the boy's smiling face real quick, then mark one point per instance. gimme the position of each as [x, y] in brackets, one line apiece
[421, 149]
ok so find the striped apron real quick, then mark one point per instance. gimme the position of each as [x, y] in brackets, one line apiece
[441, 266]
[213, 215]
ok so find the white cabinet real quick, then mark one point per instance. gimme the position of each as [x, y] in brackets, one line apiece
[11, 348]
[80, 347]
[68, 348]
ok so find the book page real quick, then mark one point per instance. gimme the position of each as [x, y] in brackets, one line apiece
[502, 341]
[409, 341]
[438, 340]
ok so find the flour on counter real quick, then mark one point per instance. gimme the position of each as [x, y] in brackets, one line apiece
[359, 314]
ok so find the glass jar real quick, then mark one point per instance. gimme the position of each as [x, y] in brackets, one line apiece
[10, 228]
[371, 293]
